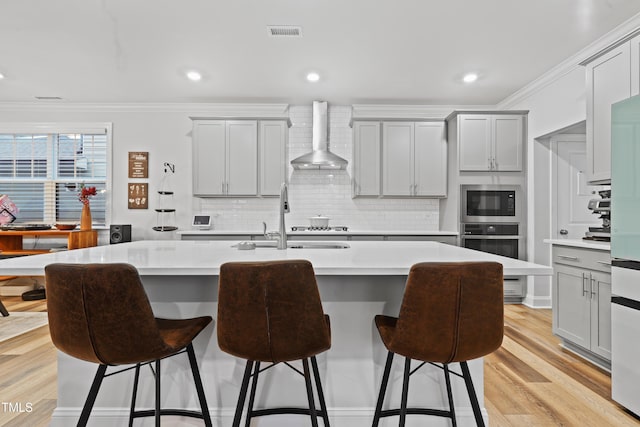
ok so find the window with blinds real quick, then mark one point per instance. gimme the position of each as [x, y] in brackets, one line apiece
[42, 174]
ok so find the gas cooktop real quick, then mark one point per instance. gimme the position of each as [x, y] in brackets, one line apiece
[309, 228]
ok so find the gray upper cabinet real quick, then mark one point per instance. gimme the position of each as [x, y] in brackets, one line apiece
[430, 159]
[273, 157]
[397, 158]
[490, 142]
[414, 159]
[366, 159]
[225, 158]
[231, 158]
[608, 81]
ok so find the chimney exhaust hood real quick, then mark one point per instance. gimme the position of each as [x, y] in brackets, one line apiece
[320, 157]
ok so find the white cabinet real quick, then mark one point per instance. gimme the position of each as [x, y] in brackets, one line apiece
[366, 159]
[273, 158]
[608, 81]
[490, 142]
[414, 159]
[582, 300]
[230, 158]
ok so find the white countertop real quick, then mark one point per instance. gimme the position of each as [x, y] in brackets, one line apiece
[322, 233]
[160, 257]
[581, 243]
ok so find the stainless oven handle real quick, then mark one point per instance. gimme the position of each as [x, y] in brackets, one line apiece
[569, 258]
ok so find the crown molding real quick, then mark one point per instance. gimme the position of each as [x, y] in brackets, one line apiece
[192, 109]
[618, 35]
[408, 112]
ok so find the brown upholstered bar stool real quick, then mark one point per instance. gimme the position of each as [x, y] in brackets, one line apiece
[451, 312]
[100, 313]
[271, 312]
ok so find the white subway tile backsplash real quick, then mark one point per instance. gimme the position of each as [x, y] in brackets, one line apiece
[323, 192]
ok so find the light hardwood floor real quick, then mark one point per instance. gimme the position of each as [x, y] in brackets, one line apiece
[529, 381]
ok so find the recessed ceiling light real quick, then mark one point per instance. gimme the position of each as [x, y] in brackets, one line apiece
[1, 76]
[194, 76]
[313, 77]
[470, 78]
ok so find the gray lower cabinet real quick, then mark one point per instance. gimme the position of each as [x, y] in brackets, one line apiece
[582, 301]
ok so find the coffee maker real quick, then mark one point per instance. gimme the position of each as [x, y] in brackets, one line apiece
[601, 207]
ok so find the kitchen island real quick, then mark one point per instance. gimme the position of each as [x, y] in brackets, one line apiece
[355, 283]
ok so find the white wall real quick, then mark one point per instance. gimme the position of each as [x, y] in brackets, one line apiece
[165, 132]
[554, 106]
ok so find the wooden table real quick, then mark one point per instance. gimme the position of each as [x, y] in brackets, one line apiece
[11, 244]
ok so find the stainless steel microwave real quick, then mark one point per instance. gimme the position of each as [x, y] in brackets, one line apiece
[491, 203]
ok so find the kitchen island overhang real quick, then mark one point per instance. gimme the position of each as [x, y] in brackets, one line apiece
[355, 284]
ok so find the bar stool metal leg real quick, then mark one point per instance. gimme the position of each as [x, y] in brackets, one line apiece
[91, 398]
[383, 389]
[323, 404]
[447, 379]
[310, 396]
[134, 394]
[252, 393]
[243, 393]
[157, 408]
[199, 388]
[472, 394]
[405, 391]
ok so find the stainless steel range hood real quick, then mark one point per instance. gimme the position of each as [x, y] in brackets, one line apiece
[320, 157]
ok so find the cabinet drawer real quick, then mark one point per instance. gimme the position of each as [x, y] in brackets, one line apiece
[583, 258]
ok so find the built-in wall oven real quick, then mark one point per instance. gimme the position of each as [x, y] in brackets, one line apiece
[499, 239]
[492, 221]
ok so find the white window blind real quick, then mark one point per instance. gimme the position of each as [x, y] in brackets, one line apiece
[42, 174]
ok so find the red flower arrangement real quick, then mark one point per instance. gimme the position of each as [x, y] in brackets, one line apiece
[85, 194]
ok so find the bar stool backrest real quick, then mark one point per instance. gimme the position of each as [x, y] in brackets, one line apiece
[451, 312]
[100, 313]
[270, 311]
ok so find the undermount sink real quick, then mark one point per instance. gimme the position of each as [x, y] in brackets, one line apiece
[261, 244]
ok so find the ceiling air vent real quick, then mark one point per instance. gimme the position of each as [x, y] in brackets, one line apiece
[284, 31]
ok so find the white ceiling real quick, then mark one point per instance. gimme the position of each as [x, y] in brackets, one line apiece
[366, 51]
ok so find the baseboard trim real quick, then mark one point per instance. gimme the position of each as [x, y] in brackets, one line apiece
[537, 302]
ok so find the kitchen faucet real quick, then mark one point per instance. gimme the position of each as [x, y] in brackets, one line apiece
[280, 235]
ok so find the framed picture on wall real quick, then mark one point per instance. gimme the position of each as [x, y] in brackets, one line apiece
[138, 164]
[138, 195]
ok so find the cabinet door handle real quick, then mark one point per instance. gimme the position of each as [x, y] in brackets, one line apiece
[568, 258]
[584, 287]
[490, 165]
[608, 264]
[415, 189]
[222, 187]
[592, 286]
